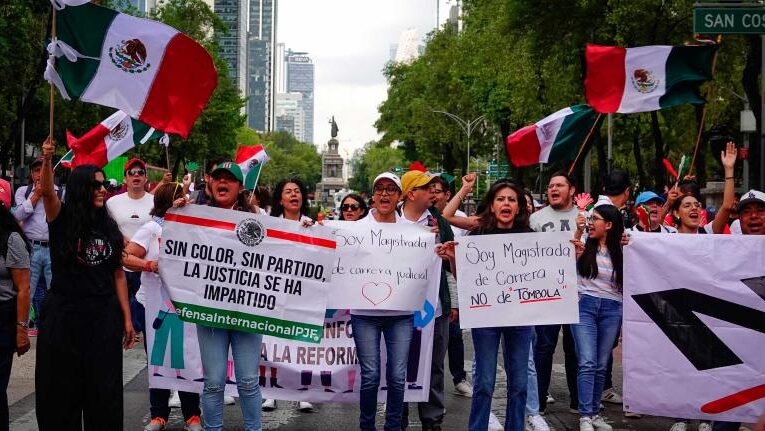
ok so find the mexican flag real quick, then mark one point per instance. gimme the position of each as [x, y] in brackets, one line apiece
[251, 161]
[552, 138]
[147, 69]
[646, 78]
[108, 140]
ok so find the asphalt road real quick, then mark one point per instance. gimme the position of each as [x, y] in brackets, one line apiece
[329, 417]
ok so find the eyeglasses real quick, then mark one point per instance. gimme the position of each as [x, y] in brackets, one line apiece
[437, 191]
[593, 218]
[350, 207]
[136, 172]
[98, 184]
[390, 188]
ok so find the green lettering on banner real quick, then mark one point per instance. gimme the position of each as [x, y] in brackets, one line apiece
[239, 321]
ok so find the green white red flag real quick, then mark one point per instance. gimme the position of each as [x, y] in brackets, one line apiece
[108, 140]
[551, 139]
[646, 78]
[147, 69]
[251, 161]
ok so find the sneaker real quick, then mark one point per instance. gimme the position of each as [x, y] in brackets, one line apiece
[632, 415]
[193, 424]
[464, 389]
[704, 426]
[600, 424]
[550, 399]
[228, 400]
[611, 396]
[305, 406]
[175, 400]
[156, 424]
[268, 405]
[536, 423]
[585, 424]
[494, 424]
[679, 426]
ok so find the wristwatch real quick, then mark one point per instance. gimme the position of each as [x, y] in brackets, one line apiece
[24, 325]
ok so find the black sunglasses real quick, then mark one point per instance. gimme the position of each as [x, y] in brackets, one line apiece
[136, 172]
[350, 207]
[98, 184]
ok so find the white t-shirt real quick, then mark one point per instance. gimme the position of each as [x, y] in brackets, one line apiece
[457, 231]
[551, 220]
[130, 214]
[148, 236]
[371, 220]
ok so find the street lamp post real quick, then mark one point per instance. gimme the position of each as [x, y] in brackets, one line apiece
[467, 126]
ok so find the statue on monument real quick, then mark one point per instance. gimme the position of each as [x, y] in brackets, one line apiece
[334, 127]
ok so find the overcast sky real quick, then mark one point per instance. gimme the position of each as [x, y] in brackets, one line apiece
[349, 42]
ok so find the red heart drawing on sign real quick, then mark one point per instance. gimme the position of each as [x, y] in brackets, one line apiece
[376, 293]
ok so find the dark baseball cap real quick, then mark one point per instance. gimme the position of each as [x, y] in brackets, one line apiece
[616, 182]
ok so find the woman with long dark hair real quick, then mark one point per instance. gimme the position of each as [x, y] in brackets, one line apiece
[290, 200]
[14, 298]
[353, 207]
[504, 211]
[599, 266]
[142, 256]
[85, 317]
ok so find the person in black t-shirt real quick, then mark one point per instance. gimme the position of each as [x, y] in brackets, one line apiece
[86, 320]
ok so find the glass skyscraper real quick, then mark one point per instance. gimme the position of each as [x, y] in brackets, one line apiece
[300, 79]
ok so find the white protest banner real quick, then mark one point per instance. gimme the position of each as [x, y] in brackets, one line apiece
[694, 326]
[382, 266]
[517, 279]
[289, 369]
[247, 272]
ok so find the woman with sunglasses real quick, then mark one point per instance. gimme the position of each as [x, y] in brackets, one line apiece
[599, 267]
[85, 319]
[504, 211]
[353, 208]
[141, 255]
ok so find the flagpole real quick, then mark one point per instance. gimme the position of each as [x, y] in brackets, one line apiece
[710, 96]
[584, 144]
[52, 94]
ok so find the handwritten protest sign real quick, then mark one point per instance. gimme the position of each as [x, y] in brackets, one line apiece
[517, 279]
[694, 326]
[382, 266]
[247, 272]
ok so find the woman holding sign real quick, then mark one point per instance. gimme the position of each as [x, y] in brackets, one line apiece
[599, 265]
[141, 255]
[504, 211]
[227, 186]
[371, 325]
[86, 319]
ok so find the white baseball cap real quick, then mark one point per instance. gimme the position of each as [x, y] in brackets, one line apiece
[389, 175]
[749, 197]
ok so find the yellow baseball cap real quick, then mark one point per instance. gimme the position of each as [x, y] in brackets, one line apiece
[413, 179]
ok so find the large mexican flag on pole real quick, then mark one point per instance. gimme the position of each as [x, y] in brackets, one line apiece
[145, 68]
[551, 139]
[108, 140]
[647, 78]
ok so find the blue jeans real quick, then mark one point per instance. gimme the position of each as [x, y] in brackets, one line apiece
[594, 336]
[39, 266]
[516, 343]
[213, 348]
[532, 391]
[397, 331]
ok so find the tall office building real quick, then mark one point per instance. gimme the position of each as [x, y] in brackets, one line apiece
[290, 115]
[261, 50]
[300, 79]
[233, 45]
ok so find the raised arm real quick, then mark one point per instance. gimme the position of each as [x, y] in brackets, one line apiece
[49, 196]
[728, 158]
[450, 211]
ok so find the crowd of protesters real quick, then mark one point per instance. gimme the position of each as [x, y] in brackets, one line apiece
[97, 257]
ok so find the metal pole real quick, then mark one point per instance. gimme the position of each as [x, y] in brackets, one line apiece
[610, 142]
[467, 170]
[588, 173]
[762, 117]
[746, 162]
